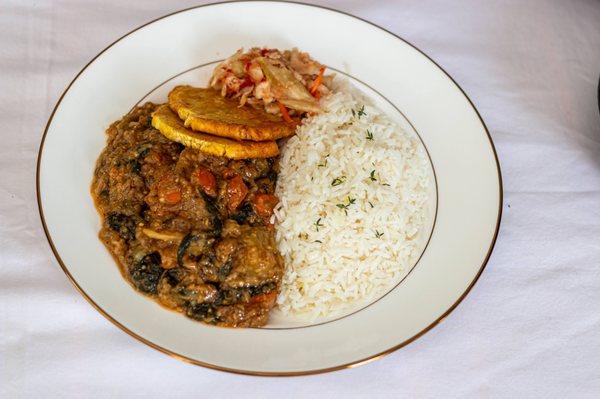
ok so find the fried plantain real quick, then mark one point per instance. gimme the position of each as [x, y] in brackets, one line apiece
[205, 110]
[167, 122]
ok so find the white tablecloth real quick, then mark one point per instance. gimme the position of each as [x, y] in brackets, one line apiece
[530, 327]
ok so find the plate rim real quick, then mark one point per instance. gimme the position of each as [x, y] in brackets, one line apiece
[254, 372]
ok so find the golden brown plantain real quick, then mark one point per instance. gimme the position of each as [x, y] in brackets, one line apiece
[167, 122]
[205, 110]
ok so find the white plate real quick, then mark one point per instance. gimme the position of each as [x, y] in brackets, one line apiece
[182, 47]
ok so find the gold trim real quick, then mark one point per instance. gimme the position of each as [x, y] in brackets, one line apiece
[250, 372]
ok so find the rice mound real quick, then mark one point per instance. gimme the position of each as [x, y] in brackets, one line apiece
[353, 204]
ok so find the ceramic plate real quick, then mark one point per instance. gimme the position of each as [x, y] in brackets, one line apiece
[184, 47]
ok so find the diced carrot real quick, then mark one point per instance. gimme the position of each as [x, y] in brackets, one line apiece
[268, 297]
[284, 113]
[264, 204]
[172, 196]
[206, 181]
[236, 192]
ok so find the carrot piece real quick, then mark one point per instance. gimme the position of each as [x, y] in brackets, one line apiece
[172, 196]
[206, 181]
[315, 86]
[236, 192]
[264, 204]
[269, 297]
[284, 113]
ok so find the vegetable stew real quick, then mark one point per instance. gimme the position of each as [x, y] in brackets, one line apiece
[189, 229]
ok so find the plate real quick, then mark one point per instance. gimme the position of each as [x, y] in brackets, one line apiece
[183, 48]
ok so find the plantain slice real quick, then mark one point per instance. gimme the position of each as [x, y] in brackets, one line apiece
[205, 110]
[167, 122]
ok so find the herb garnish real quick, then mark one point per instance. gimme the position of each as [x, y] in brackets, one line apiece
[338, 180]
[318, 224]
[378, 234]
[319, 241]
[345, 206]
[372, 175]
[322, 165]
[369, 135]
[385, 184]
[371, 204]
[361, 112]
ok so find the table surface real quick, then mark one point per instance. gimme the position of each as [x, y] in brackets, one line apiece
[529, 328]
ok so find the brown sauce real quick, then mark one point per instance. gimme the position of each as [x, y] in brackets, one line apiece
[188, 229]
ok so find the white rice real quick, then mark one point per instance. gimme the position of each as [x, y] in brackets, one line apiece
[346, 259]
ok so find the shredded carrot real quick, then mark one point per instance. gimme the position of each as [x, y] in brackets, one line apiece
[315, 86]
[284, 113]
